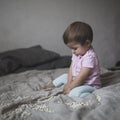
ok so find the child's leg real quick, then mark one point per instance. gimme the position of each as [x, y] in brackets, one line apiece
[85, 94]
[57, 82]
[60, 80]
[81, 91]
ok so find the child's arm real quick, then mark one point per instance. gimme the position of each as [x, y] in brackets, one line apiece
[66, 86]
[83, 75]
[70, 74]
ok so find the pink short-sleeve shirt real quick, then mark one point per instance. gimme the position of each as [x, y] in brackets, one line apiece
[90, 60]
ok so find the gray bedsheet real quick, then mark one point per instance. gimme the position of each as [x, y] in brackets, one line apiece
[19, 100]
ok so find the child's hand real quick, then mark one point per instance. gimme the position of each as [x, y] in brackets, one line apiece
[66, 89]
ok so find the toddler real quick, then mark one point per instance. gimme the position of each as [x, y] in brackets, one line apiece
[84, 73]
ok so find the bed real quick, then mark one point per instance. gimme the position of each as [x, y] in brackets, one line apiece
[20, 101]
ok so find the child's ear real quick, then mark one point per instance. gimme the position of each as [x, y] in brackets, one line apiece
[88, 43]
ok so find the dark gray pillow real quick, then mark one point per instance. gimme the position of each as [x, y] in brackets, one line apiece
[31, 56]
[8, 65]
[62, 62]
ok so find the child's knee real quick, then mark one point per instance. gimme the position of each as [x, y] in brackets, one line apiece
[60, 80]
[84, 94]
[74, 93]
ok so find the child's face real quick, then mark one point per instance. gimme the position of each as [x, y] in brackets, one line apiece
[79, 49]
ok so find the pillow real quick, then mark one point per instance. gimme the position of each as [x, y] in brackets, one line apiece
[8, 65]
[62, 62]
[31, 56]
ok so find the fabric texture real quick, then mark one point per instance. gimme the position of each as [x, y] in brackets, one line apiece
[19, 100]
[88, 60]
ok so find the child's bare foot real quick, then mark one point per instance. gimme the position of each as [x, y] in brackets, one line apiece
[48, 87]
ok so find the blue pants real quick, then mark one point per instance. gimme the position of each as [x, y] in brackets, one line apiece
[80, 91]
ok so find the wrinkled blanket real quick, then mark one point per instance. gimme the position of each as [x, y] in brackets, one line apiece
[19, 100]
